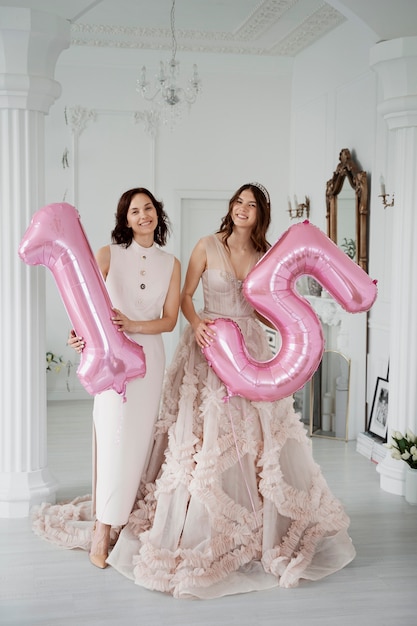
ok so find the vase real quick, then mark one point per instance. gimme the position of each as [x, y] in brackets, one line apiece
[411, 485]
[314, 287]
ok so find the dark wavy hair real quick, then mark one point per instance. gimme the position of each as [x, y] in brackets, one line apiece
[263, 215]
[123, 234]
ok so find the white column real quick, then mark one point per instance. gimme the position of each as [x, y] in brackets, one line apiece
[30, 43]
[395, 62]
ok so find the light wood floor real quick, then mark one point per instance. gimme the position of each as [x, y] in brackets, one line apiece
[41, 584]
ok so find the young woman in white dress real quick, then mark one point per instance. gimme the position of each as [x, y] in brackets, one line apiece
[143, 282]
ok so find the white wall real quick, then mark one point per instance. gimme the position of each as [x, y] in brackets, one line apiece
[238, 131]
[277, 121]
[334, 106]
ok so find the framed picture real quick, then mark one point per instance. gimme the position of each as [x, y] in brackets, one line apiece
[271, 335]
[379, 412]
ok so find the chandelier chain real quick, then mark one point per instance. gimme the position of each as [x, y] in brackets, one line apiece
[174, 39]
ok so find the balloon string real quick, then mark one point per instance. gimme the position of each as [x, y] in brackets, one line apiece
[226, 400]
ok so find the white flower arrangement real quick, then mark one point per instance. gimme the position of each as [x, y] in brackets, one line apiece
[404, 447]
[55, 363]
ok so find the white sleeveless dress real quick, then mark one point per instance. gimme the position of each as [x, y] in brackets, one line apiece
[137, 282]
[239, 504]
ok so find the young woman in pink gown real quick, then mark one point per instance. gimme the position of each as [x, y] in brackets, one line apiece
[239, 503]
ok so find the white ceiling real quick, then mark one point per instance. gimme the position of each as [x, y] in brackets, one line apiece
[268, 27]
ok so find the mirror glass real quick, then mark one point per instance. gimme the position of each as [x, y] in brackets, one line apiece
[329, 411]
[346, 221]
[347, 209]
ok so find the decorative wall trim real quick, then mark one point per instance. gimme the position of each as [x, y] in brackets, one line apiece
[77, 118]
[151, 119]
[378, 326]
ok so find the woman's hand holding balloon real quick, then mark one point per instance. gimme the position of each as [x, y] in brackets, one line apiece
[77, 343]
[204, 335]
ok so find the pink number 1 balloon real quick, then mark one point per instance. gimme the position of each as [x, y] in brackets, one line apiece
[56, 239]
[270, 288]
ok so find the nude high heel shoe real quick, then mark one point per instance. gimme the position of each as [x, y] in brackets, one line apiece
[100, 545]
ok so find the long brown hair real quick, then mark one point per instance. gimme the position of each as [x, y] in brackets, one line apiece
[263, 218]
[123, 234]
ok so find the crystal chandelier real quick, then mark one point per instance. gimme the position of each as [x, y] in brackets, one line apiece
[167, 94]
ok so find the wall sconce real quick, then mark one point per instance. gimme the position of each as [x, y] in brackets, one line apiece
[384, 195]
[299, 208]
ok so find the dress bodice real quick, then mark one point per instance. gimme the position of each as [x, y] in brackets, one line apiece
[138, 279]
[223, 296]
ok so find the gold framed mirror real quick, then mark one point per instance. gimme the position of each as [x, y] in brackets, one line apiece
[347, 209]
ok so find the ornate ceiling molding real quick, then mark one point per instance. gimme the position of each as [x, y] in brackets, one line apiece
[325, 19]
[245, 40]
[261, 19]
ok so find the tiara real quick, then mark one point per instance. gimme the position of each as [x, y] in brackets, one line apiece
[264, 191]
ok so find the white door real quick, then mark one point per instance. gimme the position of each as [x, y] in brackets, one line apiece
[199, 217]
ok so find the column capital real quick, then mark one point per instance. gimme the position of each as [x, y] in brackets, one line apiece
[395, 62]
[30, 44]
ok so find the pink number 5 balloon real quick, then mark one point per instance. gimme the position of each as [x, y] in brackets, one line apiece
[56, 239]
[270, 288]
